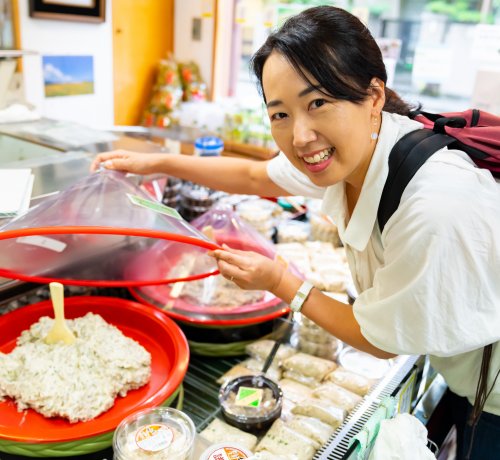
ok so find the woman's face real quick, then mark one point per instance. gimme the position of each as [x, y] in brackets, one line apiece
[326, 139]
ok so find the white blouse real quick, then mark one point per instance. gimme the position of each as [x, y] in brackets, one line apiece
[430, 283]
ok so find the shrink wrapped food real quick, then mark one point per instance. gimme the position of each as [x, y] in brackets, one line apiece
[337, 395]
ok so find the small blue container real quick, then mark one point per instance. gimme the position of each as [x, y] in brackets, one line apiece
[208, 146]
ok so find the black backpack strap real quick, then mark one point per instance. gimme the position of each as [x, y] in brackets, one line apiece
[405, 159]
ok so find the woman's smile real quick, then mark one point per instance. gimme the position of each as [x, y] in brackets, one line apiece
[318, 161]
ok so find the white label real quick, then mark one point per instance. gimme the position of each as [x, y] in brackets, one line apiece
[153, 438]
[43, 242]
[227, 453]
[154, 206]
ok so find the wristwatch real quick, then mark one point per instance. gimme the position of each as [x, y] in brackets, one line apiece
[301, 296]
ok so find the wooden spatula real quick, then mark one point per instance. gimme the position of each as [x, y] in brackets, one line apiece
[60, 331]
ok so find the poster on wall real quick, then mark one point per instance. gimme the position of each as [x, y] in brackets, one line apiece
[68, 75]
[69, 10]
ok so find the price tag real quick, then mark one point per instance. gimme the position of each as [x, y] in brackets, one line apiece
[249, 397]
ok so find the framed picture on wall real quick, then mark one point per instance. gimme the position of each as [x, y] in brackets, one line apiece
[69, 10]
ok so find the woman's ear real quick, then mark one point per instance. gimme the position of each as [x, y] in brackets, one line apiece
[377, 94]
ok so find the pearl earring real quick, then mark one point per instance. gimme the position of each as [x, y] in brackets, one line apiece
[374, 135]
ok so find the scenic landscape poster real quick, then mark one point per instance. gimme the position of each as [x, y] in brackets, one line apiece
[68, 75]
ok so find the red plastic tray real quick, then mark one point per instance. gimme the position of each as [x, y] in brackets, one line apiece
[148, 326]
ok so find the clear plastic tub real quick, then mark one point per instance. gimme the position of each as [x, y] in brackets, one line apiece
[155, 434]
[293, 231]
[249, 411]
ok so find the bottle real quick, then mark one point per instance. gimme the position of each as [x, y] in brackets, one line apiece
[208, 146]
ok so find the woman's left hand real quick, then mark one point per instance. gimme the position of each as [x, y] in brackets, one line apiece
[248, 269]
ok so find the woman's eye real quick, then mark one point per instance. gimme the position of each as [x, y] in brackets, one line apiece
[317, 103]
[278, 116]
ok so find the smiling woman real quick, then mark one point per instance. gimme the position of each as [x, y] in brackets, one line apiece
[335, 121]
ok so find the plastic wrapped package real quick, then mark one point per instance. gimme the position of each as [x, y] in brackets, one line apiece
[194, 88]
[290, 231]
[364, 364]
[309, 366]
[261, 349]
[259, 214]
[97, 232]
[350, 380]
[314, 340]
[166, 96]
[281, 439]
[322, 227]
[322, 410]
[219, 431]
[337, 395]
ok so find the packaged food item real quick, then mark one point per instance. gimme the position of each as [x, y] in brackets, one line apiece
[154, 434]
[283, 440]
[259, 214]
[251, 403]
[219, 431]
[196, 200]
[295, 391]
[226, 451]
[339, 396]
[311, 427]
[322, 410]
[261, 349]
[351, 381]
[364, 364]
[250, 366]
[290, 231]
[314, 340]
[309, 366]
[322, 227]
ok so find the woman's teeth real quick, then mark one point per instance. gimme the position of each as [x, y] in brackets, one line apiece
[319, 157]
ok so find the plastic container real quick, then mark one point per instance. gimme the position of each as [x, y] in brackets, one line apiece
[364, 364]
[225, 451]
[252, 411]
[155, 434]
[293, 231]
[208, 146]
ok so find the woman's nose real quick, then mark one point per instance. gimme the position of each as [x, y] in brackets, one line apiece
[303, 134]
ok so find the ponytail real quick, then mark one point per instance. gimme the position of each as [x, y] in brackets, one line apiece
[394, 103]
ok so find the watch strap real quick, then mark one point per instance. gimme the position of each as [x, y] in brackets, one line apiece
[301, 296]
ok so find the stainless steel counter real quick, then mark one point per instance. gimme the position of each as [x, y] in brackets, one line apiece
[59, 154]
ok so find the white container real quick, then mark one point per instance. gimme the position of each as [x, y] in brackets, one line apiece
[155, 434]
[225, 451]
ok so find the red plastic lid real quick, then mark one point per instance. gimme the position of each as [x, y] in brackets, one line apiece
[88, 233]
[153, 330]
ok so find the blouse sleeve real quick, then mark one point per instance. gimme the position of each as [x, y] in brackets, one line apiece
[438, 291]
[286, 176]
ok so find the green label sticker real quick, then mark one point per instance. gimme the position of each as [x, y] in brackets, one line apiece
[249, 397]
[154, 206]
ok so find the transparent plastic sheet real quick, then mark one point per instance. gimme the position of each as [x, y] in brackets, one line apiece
[215, 300]
[97, 232]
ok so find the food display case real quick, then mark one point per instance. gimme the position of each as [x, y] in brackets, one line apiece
[58, 165]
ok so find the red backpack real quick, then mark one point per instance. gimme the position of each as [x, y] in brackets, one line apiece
[474, 132]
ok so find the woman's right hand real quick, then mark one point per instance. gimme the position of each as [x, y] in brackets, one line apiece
[132, 162]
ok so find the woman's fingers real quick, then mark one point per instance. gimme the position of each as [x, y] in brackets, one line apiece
[107, 159]
[231, 257]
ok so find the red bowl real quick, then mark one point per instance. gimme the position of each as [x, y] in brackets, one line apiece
[153, 330]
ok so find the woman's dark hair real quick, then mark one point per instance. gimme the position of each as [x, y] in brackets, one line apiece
[336, 49]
